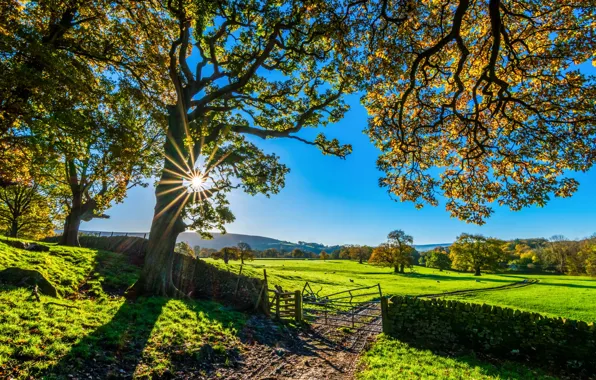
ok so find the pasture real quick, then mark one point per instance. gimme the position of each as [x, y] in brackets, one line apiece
[91, 322]
[558, 296]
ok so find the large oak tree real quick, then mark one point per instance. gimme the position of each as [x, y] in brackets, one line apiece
[258, 69]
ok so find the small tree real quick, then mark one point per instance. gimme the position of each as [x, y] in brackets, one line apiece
[396, 252]
[197, 250]
[323, 255]
[438, 259]
[227, 254]
[245, 252]
[297, 253]
[476, 252]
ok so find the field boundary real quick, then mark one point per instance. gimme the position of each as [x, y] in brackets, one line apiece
[515, 285]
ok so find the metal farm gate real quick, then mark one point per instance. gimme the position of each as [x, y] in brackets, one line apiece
[347, 317]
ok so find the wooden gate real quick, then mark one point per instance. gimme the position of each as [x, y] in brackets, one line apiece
[285, 305]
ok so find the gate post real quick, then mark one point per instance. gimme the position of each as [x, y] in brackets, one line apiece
[298, 305]
[384, 315]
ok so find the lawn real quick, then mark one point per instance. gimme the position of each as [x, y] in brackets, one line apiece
[335, 275]
[92, 330]
[389, 359]
[557, 296]
[561, 296]
[96, 331]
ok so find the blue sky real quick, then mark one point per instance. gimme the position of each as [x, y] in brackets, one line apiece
[334, 201]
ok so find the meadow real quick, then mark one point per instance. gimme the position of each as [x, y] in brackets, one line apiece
[92, 330]
[558, 296]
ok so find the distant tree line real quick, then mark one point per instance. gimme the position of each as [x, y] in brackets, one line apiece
[478, 253]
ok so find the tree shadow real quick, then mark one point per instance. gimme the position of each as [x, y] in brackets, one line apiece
[116, 348]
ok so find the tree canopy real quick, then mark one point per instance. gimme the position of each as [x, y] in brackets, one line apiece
[482, 102]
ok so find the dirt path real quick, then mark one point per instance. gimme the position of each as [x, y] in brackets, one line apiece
[321, 351]
[520, 284]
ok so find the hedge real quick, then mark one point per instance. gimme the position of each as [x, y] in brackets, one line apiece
[501, 332]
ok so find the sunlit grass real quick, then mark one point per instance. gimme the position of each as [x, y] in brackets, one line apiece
[561, 296]
[391, 359]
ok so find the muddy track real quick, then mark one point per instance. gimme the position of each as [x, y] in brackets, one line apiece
[515, 285]
[318, 351]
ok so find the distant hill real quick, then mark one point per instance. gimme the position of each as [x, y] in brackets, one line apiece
[259, 243]
[430, 247]
[256, 242]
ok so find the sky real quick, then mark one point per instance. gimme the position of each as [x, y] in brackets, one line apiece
[333, 201]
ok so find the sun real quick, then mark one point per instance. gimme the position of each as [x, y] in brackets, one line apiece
[196, 183]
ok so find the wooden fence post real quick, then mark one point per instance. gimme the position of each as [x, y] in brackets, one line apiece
[277, 305]
[385, 315]
[298, 305]
[266, 306]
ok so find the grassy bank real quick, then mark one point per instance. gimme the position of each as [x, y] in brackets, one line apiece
[93, 331]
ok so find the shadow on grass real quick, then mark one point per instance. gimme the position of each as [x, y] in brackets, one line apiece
[116, 348]
[393, 357]
[130, 343]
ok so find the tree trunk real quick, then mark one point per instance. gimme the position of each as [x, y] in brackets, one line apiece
[401, 268]
[171, 197]
[477, 271]
[395, 269]
[14, 228]
[70, 235]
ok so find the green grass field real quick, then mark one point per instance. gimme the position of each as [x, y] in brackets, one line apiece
[97, 325]
[155, 335]
[391, 359]
[560, 296]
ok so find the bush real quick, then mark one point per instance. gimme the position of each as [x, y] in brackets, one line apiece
[501, 332]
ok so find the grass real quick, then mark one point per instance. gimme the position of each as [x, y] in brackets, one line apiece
[389, 358]
[557, 296]
[100, 333]
[335, 275]
[560, 296]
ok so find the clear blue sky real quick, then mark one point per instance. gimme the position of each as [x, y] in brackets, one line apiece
[333, 201]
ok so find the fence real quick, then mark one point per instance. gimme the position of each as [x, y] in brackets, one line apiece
[286, 305]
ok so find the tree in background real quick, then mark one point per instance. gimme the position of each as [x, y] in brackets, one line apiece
[197, 251]
[25, 212]
[396, 252]
[438, 259]
[245, 252]
[226, 254]
[558, 251]
[323, 255]
[185, 249]
[270, 253]
[355, 252]
[515, 112]
[476, 252]
[297, 253]
[335, 254]
[113, 148]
